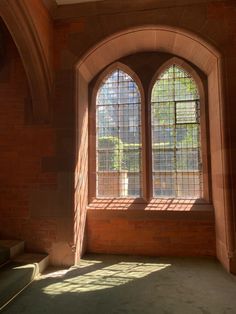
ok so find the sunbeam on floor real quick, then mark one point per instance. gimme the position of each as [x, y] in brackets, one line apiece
[108, 277]
[118, 284]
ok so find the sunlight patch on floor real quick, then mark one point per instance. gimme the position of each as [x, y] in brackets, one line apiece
[109, 276]
[30, 266]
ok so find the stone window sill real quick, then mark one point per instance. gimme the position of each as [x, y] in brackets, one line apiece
[155, 204]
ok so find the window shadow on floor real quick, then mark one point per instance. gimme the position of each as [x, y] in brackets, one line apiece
[119, 284]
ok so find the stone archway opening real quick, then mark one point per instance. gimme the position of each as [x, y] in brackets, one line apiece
[178, 43]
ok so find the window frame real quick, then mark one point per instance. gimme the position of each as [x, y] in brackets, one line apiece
[146, 138]
[203, 122]
[93, 136]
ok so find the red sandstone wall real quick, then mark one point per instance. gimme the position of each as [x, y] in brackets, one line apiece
[44, 26]
[154, 233]
[161, 228]
[213, 22]
[37, 162]
[33, 194]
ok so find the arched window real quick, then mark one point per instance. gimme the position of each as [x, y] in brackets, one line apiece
[118, 137]
[176, 144]
[149, 147]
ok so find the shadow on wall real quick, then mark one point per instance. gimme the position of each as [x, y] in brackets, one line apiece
[131, 285]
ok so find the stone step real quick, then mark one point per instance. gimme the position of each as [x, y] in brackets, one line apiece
[18, 274]
[14, 247]
[40, 260]
[4, 255]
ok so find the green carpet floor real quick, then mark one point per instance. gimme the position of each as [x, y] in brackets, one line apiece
[13, 278]
[116, 284]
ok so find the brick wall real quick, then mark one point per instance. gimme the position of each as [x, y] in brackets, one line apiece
[35, 189]
[154, 233]
[37, 161]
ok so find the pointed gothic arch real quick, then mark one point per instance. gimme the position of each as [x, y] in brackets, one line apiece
[208, 59]
[124, 70]
[204, 116]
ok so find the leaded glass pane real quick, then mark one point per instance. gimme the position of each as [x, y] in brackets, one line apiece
[118, 140]
[176, 147]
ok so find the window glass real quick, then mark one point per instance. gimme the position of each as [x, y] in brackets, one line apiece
[118, 137]
[176, 151]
